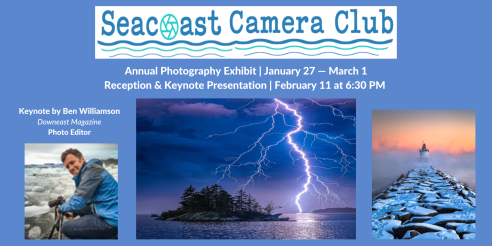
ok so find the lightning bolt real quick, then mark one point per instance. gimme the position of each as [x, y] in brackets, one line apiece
[313, 180]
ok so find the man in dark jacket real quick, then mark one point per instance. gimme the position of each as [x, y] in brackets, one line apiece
[95, 199]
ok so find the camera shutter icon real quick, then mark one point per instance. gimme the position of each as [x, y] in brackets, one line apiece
[169, 27]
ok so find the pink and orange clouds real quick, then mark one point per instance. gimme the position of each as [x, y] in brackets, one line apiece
[447, 131]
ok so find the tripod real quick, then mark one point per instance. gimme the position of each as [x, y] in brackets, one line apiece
[58, 222]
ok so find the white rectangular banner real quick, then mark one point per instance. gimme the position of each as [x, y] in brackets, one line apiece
[253, 32]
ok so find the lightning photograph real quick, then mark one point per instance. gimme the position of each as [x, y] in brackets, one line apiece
[246, 168]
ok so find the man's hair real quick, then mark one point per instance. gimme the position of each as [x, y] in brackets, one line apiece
[74, 152]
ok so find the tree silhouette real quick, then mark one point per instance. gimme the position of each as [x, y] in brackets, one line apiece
[270, 207]
[239, 201]
[186, 197]
[215, 199]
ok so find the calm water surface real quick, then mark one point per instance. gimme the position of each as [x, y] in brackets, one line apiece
[300, 226]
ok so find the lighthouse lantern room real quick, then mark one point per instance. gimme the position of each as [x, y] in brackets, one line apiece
[424, 152]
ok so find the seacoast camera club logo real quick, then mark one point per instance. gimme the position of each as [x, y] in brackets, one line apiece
[246, 32]
[169, 27]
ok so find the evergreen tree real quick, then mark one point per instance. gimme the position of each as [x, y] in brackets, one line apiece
[239, 201]
[214, 198]
[224, 204]
[215, 191]
[206, 203]
[197, 202]
[185, 198]
[251, 205]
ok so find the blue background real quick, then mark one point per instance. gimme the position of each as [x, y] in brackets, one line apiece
[48, 61]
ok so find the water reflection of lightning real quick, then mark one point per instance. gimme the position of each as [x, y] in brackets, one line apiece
[324, 195]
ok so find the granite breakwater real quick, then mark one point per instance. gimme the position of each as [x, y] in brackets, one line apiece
[424, 203]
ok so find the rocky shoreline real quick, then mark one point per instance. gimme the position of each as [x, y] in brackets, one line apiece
[424, 203]
[215, 217]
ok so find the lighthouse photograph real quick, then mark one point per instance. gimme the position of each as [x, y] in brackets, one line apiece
[423, 174]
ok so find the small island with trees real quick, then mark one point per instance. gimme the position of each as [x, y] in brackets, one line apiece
[213, 203]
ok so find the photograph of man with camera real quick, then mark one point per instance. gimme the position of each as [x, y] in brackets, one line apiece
[90, 212]
[95, 199]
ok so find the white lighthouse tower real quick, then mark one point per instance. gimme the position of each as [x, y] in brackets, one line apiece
[424, 153]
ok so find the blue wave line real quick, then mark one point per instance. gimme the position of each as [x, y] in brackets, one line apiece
[245, 42]
[166, 56]
[310, 54]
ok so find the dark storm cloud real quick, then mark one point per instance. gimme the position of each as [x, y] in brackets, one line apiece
[174, 149]
[201, 109]
[155, 108]
[340, 103]
[262, 109]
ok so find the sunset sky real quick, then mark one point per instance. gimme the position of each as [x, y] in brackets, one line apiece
[446, 131]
